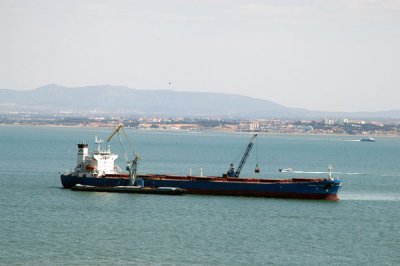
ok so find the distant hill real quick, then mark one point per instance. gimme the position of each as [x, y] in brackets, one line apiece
[122, 100]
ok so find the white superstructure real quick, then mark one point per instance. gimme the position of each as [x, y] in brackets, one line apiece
[98, 163]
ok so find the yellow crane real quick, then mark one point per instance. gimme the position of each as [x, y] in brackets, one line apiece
[131, 164]
[119, 127]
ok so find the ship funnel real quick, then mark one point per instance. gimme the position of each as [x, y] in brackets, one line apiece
[83, 152]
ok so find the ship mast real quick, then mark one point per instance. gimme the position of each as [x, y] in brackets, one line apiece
[330, 168]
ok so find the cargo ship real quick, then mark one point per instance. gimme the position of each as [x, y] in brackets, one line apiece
[99, 169]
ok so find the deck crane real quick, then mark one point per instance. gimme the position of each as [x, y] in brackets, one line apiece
[231, 172]
[119, 127]
[131, 164]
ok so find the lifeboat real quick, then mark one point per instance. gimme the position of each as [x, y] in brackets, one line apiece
[90, 168]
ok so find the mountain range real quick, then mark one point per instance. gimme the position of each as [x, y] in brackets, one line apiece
[107, 99]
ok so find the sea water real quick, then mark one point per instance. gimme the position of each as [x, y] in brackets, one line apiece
[43, 224]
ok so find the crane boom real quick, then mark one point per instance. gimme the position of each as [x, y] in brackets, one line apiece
[131, 164]
[232, 172]
[115, 132]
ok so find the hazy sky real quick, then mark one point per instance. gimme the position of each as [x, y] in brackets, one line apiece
[328, 55]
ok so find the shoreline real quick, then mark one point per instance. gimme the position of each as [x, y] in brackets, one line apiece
[202, 130]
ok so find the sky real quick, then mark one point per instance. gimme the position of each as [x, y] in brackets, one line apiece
[325, 55]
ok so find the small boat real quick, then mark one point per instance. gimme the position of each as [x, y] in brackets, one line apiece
[368, 139]
[286, 170]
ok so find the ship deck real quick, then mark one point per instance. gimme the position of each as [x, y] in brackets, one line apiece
[229, 179]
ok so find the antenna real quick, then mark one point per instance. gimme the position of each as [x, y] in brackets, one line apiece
[97, 142]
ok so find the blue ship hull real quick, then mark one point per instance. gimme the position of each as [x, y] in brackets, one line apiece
[298, 188]
[69, 181]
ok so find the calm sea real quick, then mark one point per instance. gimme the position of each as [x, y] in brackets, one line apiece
[43, 224]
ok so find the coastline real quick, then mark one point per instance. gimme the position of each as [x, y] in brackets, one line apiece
[111, 126]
